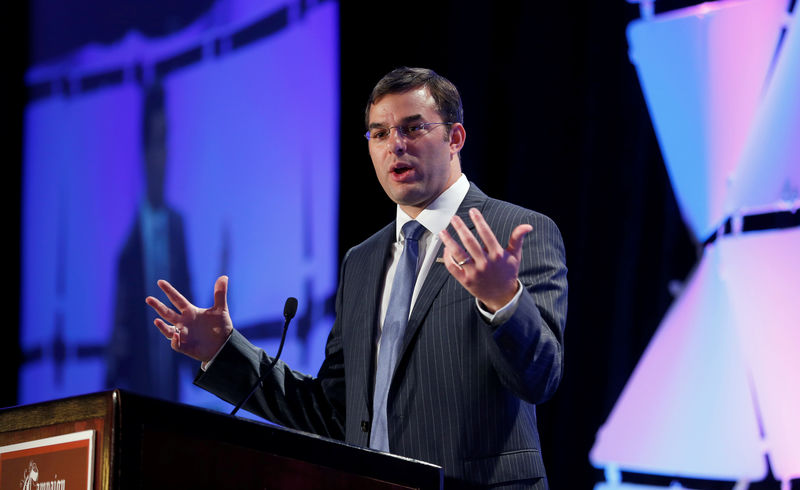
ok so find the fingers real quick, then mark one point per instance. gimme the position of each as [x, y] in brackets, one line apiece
[491, 246]
[162, 310]
[175, 343]
[221, 293]
[173, 333]
[177, 299]
[165, 329]
[451, 249]
[490, 242]
[471, 244]
[517, 237]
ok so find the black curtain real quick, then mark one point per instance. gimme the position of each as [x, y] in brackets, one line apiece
[15, 62]
[556, 122]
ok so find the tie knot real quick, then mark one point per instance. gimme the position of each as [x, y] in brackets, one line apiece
[412, 230]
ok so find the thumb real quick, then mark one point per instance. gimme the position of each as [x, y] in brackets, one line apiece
[221, 293]
[517, 237]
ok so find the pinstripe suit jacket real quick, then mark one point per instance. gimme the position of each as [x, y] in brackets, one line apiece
[463, 393]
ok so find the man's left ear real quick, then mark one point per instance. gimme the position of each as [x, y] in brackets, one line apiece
[458, 136]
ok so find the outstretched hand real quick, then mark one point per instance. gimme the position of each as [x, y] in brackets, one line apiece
[490, 272]
[197, 332]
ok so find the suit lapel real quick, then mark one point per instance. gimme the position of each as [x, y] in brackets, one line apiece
[438, 273]
[372, 267]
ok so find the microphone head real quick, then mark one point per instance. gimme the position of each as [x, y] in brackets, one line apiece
[290, 308]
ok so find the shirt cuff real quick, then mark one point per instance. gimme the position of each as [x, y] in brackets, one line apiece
[207, 364]
[503, 314]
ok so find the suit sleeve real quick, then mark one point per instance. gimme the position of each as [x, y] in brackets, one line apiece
[527, 352]
[287, 397]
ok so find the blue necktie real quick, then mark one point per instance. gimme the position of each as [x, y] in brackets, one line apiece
[394, 325]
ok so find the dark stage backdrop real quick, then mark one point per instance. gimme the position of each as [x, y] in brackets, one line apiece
[556, 122]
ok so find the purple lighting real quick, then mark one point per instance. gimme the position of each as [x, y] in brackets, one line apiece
[239, 177]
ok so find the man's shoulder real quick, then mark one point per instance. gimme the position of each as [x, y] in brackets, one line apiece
[497, 210]
[380, 239]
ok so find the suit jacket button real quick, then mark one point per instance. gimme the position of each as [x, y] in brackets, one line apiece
[364, 426]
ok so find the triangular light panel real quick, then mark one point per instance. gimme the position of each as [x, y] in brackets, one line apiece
[703, 71]
[768, 176]
[687, 409]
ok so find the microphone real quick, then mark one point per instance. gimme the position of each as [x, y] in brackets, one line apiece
[289, 310]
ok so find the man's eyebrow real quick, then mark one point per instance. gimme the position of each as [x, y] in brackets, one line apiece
[404, 121]
[414, 118]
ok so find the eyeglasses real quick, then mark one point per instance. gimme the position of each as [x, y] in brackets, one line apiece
[408, 131]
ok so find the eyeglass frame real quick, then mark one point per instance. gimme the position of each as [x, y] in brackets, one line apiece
[403, 130]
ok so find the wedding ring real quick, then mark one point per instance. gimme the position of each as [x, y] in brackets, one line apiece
[461, 262]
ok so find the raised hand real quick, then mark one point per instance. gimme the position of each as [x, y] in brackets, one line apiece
[490, 272]
[197, 332]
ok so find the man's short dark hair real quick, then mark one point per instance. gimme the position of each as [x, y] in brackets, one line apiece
[399, 80]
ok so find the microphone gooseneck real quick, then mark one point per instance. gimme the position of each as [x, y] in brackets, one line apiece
[289, 310]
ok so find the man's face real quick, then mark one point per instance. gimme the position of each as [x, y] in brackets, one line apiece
[414, 171]
[155, 157]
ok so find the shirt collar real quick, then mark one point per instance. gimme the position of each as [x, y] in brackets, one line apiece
[150, 215]
[436, 216]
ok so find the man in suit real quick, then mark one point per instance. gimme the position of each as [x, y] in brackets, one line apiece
[155, 248]
[454, 377]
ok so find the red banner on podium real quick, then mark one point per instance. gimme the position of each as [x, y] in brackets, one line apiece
[54, 463]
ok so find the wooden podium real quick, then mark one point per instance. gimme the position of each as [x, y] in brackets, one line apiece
[142, 442]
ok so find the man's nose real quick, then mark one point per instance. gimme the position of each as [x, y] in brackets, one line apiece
[397, 141]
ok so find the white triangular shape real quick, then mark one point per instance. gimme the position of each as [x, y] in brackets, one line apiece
[703, 71]
[762, 275]
[768, 176]
[688, 409]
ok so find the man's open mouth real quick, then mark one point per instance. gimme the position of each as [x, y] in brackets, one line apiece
[401, 168]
